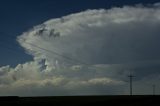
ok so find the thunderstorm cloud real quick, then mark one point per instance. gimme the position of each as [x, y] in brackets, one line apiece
[90, 52]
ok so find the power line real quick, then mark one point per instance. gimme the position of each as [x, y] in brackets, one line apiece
[12, 50]
[53, 52]
[5, 44]
[154, 89]
[58, 54]
[130, 80]
[4, 33]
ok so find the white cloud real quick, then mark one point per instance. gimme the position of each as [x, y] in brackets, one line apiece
[117, 35]
[28, 80]
[113, 42]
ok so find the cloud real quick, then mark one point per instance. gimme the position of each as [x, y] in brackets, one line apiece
[28, 80]
[117, 35]
[90, 52]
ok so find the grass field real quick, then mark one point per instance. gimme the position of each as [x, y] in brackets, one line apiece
[124, 100]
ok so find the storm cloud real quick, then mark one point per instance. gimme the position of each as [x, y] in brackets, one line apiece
[90, 52]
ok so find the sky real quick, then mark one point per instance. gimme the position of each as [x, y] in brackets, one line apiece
[82, 47]
[18, 16]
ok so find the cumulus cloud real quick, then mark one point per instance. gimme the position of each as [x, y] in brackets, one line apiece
[28, 80]
[90, 52]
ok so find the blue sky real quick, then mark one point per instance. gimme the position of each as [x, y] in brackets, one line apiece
[18, 16]
[97, 46]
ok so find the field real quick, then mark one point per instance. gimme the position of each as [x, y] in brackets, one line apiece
[124, 100]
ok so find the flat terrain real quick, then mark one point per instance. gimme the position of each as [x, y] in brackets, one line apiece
[124, 100]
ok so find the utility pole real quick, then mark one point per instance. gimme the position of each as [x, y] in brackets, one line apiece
[130, 80]
[154, 89]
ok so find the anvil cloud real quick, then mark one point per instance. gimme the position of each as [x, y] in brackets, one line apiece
[90, 52]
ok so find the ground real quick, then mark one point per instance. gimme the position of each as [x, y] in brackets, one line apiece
[124, 100]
